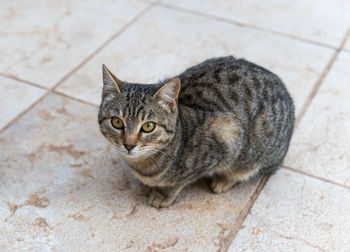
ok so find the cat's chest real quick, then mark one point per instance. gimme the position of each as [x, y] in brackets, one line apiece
[148, 175]
[153, 181]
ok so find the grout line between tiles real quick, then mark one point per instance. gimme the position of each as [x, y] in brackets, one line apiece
[114, 36]
[319, 82]
[24, 111]
[75, 99]
[227, 240]
[52, 89]
[49, 91]
[12, 77]
[246, 25]
[346, 39]
[315, 177]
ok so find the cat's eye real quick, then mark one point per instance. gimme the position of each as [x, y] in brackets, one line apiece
[148, 127]
[117, 123]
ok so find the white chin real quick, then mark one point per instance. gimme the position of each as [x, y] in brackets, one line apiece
[131, 155]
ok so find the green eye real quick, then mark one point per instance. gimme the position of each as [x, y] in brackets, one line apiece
[117, 123]
[148, 127]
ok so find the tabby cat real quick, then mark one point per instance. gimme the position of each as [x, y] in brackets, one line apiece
[226, 119]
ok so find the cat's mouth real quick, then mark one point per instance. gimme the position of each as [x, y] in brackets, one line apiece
[131, 154]
[135, 153]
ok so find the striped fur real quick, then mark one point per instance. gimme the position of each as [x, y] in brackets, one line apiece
[233, 122]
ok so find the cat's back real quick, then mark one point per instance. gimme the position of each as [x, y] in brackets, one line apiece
[221, 84]
[243, 104]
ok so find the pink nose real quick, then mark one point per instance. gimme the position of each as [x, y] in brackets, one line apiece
[129, 147]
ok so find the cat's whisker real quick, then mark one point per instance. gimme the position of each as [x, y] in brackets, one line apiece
[154, 161]
[117, 147]
[160, 152]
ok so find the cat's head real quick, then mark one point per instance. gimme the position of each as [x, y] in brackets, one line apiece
[138, 119]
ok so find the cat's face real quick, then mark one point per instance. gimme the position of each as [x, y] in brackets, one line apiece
[138, 120]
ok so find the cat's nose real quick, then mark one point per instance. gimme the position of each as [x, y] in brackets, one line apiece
[129, 147]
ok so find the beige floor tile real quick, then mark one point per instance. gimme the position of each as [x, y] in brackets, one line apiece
[41, 41]
[165, 42]
[320, 145]
[63, 189]
[297, 213]
[16, 97]
[324, 21]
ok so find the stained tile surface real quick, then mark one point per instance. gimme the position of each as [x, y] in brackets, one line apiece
[168, 42]
[15, 97]
[62, 188]
[324, 21]
[297, 213]
[321, 142]
[42, 41]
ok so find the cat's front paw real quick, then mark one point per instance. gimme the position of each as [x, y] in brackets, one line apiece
[158, 200]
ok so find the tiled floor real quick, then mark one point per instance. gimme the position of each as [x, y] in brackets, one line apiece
[63, 188]
[321, 21]
[42, 42]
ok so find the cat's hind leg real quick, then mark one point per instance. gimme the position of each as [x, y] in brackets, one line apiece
[222, 183]
[224, 179]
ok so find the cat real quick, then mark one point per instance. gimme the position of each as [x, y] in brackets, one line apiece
[225, 118]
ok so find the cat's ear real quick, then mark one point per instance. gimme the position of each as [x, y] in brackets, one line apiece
[168, 94]
[110, 82]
